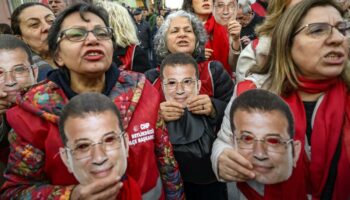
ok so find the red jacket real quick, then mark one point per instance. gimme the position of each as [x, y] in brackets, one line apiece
[35, 123]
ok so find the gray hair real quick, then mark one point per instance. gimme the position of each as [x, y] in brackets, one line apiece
[160, 45]
[245, 6]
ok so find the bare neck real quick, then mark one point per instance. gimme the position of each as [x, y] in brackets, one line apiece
[80, 83]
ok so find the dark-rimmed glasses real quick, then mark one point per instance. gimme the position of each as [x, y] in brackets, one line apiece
[80, 34]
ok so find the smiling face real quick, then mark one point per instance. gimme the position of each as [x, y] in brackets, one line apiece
[182, 91]
[180, 37]
[269, 167]
[34, 23]
[15, 60]
[101, 163]
[88, 58]
[320, 58]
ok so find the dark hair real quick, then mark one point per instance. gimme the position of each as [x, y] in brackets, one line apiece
[86, 104]
[5, 29]
[18, 11]
[187, 6]
[178, 59]
[11, 42]
[82, 8]
[258, 100]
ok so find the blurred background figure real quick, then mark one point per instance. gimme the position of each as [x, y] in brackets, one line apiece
[143, 32]
[57, 6]
[128, 54]
[249, 20]
[260, 7]
[5, 29]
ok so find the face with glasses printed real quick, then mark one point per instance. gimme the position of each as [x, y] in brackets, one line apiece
[16, 73]
[85, 46]
[96, 147]
[262, 137]
[224, 11]
[180, 83]
[320, 46]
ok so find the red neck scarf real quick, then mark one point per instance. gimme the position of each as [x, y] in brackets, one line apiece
[219, 42]
[130, 190]
[326, 130]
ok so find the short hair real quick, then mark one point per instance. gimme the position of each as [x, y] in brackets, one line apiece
[259, 100]
[160, 45]
[5, 29]
[280, 64]
[178, 59]
[85, 104]
[82, 8]
[11, 42]
[245, 6]
[122, 23]
[18, 11]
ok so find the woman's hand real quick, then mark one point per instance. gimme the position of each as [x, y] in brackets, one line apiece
[171, 110]
[232, 166]
[201, 105]
[4, 103]
[107, 188]
[208, 53]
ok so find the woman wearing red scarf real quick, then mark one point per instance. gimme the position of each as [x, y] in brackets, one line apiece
[308, 66]
[218, 44]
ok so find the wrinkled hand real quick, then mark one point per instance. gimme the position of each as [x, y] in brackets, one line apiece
[171, 110]
[245, 40]
[208, 53]
[234, 29]
[107, 188]
[4, 103]
[201, 105]
[232, 166]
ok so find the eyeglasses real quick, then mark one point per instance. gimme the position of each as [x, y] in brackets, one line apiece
[19, 71]
[320, 30]
[80, 34]
[230, 6]
[185, 83]
[271, 143]
[109, 142]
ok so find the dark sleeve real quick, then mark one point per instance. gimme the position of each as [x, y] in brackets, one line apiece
[152, 75]
[223, 91]
[141, 62]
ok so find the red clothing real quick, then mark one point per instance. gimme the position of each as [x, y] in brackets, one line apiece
[329, 129]
[35, 124]
[219, 42]
[130, 190]
[258, 9]
[128, 58]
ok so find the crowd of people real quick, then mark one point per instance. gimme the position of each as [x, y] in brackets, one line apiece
[221, 99]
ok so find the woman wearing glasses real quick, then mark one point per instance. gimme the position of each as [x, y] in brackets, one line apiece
[80, 40]
[312, 75]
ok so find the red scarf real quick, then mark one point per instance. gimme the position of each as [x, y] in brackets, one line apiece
[219, 42]
[326, 131]
[130, 190]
